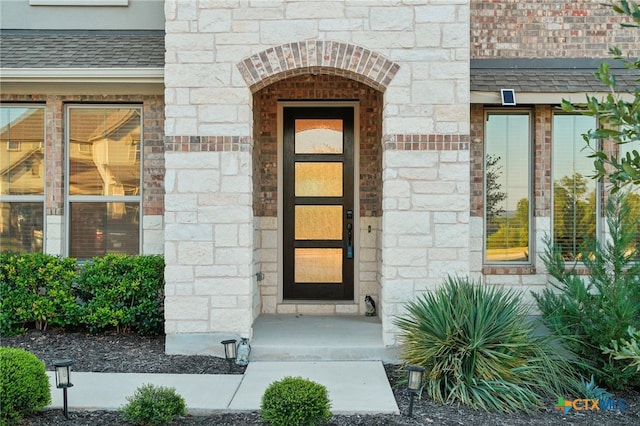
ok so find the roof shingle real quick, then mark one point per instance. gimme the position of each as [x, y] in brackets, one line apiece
[81, 49]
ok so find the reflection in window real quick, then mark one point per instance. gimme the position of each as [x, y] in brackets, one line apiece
[21, 178]
[574, 192]
[507, 187]
[318, 136]
[633, 197]
[104, 182]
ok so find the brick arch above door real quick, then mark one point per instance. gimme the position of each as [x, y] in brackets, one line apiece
[317, 57]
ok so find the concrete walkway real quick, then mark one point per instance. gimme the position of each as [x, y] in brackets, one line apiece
[355, 387]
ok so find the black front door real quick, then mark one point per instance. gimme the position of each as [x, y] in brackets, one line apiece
[318, 203]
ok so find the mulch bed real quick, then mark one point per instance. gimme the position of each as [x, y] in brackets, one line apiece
[131, 353]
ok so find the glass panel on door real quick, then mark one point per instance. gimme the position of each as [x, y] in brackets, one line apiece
[318, 136]
[318, 179]
[318, 223]
[318, 265]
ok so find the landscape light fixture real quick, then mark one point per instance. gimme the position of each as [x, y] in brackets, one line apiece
[508, 96]
[230, 351]
[63, 380]
[414, 383]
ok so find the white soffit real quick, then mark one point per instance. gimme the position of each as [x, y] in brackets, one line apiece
[82, 75]
[524, 98]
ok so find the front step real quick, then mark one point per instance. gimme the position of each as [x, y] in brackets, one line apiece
[319, 338]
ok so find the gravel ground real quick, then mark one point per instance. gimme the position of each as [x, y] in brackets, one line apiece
[129, 353]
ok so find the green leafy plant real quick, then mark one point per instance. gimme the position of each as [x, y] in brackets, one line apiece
[618, 116]
[294, 401]
[153, 405]
[589, 390]
[627, 350]
[24, 385]
[36, 288]
[589, 311]
[123, 292]
[478, 349]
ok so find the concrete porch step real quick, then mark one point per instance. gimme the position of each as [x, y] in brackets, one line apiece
[319, 338]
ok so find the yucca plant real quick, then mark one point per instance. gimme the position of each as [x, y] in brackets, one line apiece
[478, 349]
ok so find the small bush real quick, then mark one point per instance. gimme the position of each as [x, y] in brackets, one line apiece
[590, 311]
[626, 350]
[24, 385]
[477, 349]
[123, 292]
[294, 401]
[36, 289]
[153, 405]
[589, 390]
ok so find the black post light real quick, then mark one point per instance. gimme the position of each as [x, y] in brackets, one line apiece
[414, 383]
[63, 380]
[230, 351]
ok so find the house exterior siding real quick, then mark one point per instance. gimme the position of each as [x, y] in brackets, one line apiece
[212, 79]
[247, 48]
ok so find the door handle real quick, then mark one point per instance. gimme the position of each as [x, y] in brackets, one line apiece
[349, 241]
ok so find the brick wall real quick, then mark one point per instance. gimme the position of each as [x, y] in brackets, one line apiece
[547, 29]
[318, 87]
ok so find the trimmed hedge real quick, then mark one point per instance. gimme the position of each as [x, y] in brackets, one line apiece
[295, 401]
[123, 292]
[118, 292]
[153, 405]
[24, 385]
[36, 288]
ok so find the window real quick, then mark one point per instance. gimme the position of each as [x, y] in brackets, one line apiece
[574, 192]
[103, 180]
[21, 177]
[633, 196]
[507, 187]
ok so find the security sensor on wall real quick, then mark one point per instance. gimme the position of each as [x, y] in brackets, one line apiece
[508, 96]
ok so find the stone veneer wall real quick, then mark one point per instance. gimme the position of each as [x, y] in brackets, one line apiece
[153, 166]
[425, 225]
[218, 53]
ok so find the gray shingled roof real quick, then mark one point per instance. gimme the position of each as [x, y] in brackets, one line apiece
[546, 75]
[81, 49]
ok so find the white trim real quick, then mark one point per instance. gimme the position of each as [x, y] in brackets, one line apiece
[78, 2]
[82, 75]
[481, 97]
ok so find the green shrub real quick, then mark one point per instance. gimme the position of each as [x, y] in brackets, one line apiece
[477, 349]
[24, 385]
[589, 390]
[590, 311]
[626, 350]
[294, 401]
[153, 405]
[36, 288]
[123, 292]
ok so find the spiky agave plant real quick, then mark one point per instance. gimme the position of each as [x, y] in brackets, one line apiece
[478, 349]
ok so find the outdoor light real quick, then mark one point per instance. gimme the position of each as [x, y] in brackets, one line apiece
[63, 380]
[229, 351]
[414, 383]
